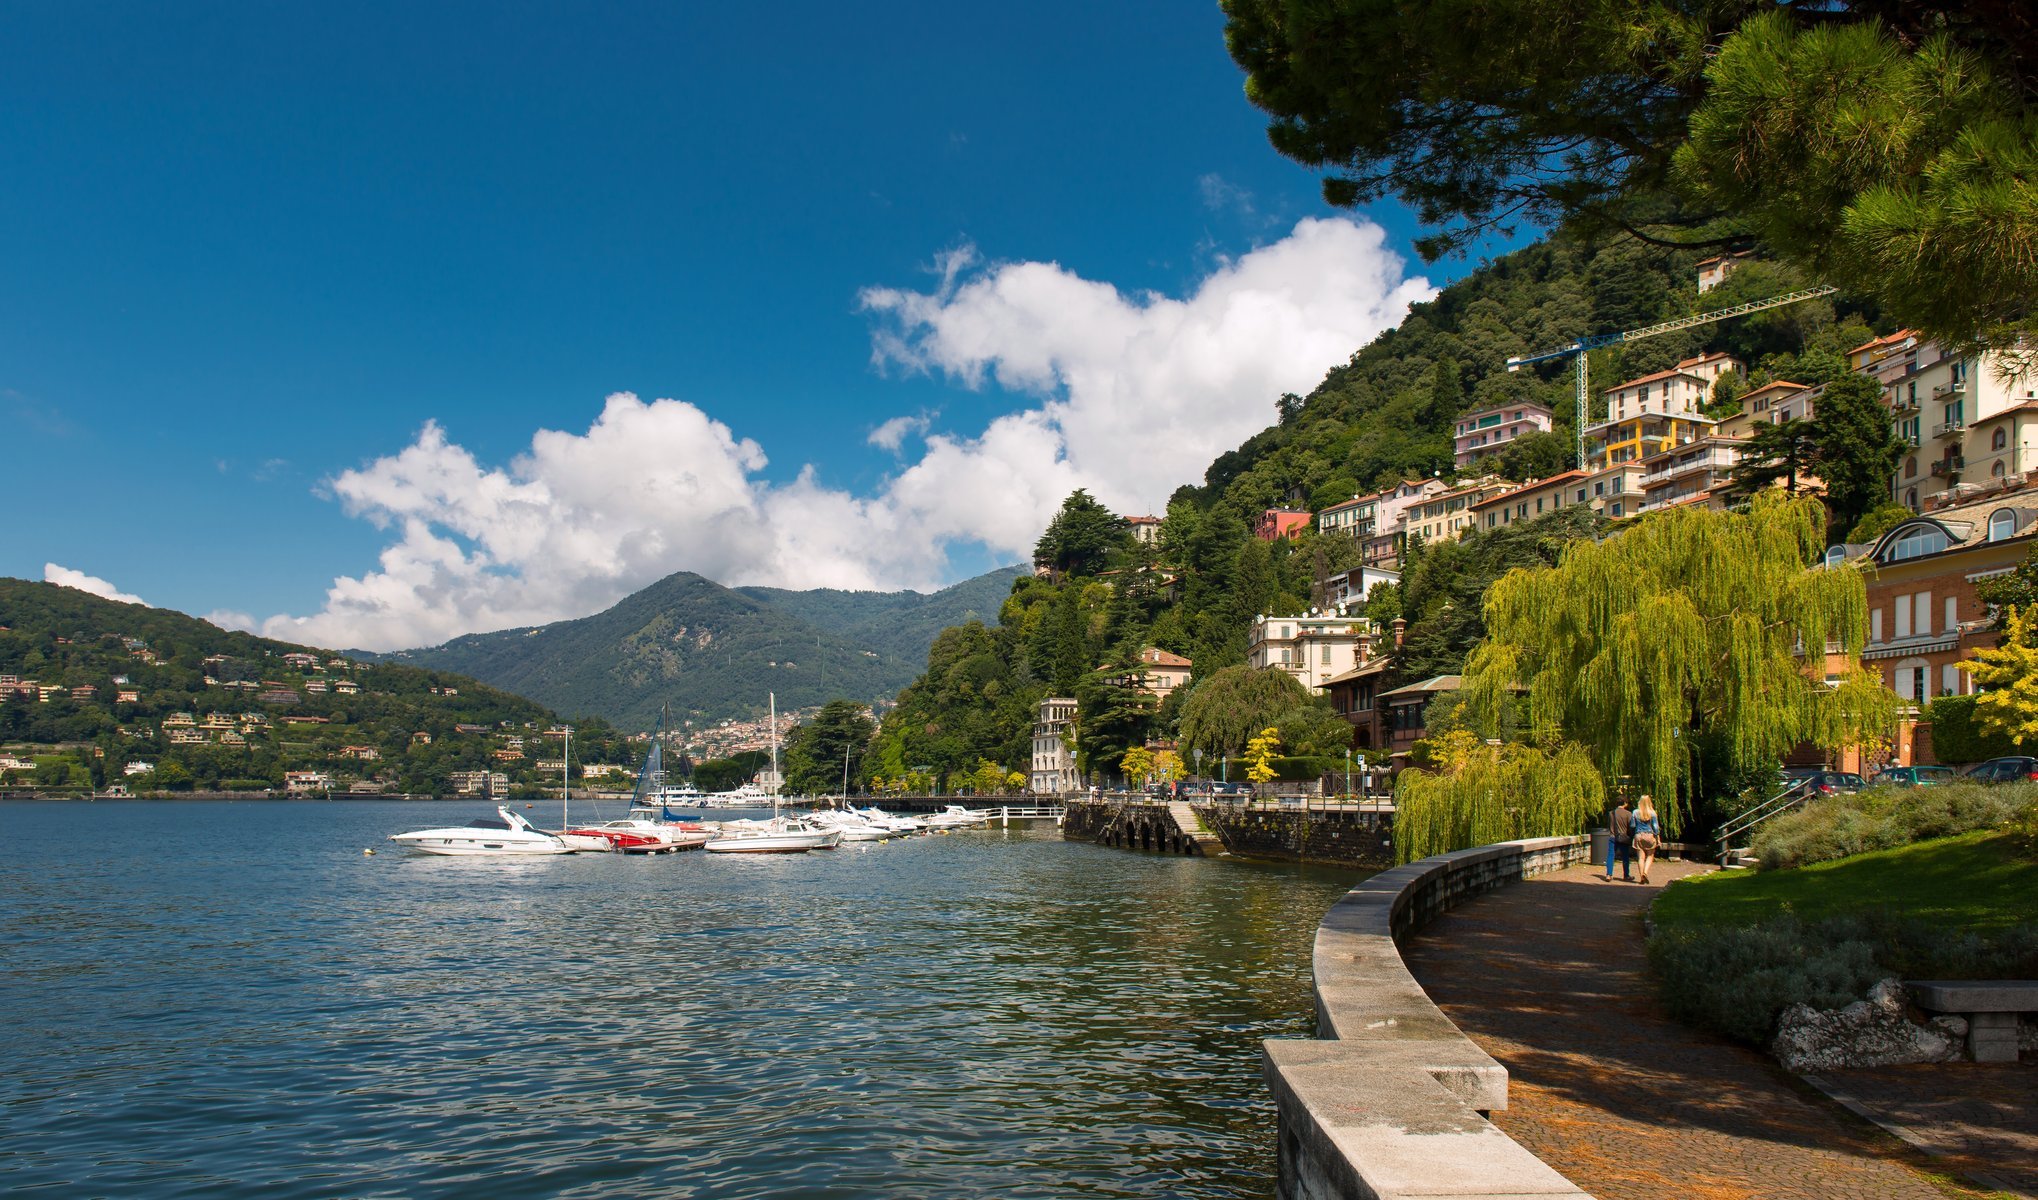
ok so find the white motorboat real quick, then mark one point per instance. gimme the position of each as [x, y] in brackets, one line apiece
[504, 833]
[895, 824]
[853, 826]
[955, 816]
[780, 835]
[749, 795]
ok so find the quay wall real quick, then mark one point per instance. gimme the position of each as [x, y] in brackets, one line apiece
[1391, 1099]
[1333, 836]
[1337, 837]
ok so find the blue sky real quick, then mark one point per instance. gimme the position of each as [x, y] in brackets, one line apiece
[249, 251]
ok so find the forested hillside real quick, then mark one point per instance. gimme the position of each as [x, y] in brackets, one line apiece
[1384, 416]
[92, 685]
[713, 652]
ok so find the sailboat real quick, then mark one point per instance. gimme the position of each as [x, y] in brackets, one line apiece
[780, 835]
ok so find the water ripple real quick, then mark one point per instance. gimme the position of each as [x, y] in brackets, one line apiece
[230, 1000]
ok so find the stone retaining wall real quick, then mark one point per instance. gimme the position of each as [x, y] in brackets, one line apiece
[1391, 1100]
[1351, 839]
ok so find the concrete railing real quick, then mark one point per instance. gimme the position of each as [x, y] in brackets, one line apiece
[1391, 1101]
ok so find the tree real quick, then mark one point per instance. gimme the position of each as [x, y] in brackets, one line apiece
[1885, 148]
[817, 752]
[2017, 589]
[1857, 449]
[1879, 520]
[2008, 678]
[1780, 450]
[1478, 794]
[1081, 536]
[1137, 766]
[1226, 709]
[1259, 755]
[1685, 627]
[1538, 455]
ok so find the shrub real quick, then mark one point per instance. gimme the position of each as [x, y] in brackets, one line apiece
[1956, 738]
[1738, 980]
[1882, 818]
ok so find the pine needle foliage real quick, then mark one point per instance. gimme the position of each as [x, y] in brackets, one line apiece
[1686, 625]
[1482, 793]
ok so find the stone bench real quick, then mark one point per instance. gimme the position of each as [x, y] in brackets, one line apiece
[1990, 1007]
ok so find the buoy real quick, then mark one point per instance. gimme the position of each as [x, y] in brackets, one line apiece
[367, 849]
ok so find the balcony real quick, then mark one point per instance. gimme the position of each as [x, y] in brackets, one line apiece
[1948, 467]
[1951, 428]
[1957, 388]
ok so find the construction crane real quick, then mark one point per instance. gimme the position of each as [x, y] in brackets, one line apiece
[1583, 345]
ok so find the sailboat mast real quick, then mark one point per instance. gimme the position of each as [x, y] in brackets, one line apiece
[772, 699]
[565, 775]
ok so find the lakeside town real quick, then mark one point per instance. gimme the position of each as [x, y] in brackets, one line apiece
[1366, 599]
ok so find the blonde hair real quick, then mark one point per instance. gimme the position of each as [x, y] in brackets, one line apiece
[1645, 808]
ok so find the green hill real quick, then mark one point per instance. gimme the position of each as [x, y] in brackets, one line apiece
[712, 651]
[89, 685]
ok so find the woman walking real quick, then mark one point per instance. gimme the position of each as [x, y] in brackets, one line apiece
[1648, 835]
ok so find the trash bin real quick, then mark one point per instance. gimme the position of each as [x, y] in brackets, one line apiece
[1599, 837]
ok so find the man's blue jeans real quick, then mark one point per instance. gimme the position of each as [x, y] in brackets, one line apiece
[1617, 848]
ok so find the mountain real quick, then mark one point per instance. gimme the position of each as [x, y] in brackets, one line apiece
[713, 651]
[88, 686]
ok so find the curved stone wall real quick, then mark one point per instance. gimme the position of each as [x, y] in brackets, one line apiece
[1391, 1100]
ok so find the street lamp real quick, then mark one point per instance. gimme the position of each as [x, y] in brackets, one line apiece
[1348, 772]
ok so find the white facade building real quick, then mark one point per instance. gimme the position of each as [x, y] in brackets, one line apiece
[1312, 648]
[1054, 761]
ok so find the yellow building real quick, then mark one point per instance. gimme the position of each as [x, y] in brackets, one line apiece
[1631, 439]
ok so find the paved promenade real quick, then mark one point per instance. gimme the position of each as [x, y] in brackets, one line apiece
[1547, 977]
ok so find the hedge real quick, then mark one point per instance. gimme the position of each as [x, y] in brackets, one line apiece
[1957, 738]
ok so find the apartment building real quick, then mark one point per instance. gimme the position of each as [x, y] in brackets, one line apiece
[1278, 523]
[1970, 428]
[1532, 500]
[1693, 473]
[1487, 430]
[1312, 648]
[1356, 517]
[1054, 761]
[1350, 588]
[1923, 614]
[1449, 513]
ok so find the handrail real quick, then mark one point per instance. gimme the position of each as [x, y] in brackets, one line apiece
[1782, 802]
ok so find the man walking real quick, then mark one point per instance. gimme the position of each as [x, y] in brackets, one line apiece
[1620, 830]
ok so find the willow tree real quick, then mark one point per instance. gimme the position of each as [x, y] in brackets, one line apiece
[1687, 626]
[1480, 793]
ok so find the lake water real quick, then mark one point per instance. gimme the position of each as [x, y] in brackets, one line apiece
[230, 999]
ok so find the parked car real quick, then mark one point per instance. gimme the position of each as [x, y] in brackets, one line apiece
[1824, 782]
[2014, 768]
[1913, 776]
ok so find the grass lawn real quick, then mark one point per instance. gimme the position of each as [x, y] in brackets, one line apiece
[1975, 881]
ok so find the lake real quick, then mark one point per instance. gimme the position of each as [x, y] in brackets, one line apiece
[231, 999]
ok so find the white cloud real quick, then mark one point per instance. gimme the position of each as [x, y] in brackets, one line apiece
[893, 433]
[1132, 396]
[66, 577]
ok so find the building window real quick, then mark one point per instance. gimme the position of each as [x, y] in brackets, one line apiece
[2001, 439]
[1949, 680]
[1918, 542]
[1911, 467]
[2002, 523]
[1996, 472]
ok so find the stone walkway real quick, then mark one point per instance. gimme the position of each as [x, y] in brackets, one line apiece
[1547, 977]
[1980, 1119]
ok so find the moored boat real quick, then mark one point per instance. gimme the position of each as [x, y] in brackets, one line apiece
[506, 833]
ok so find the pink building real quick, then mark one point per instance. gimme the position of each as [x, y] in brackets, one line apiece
[1489, 429]
[1278, 523]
